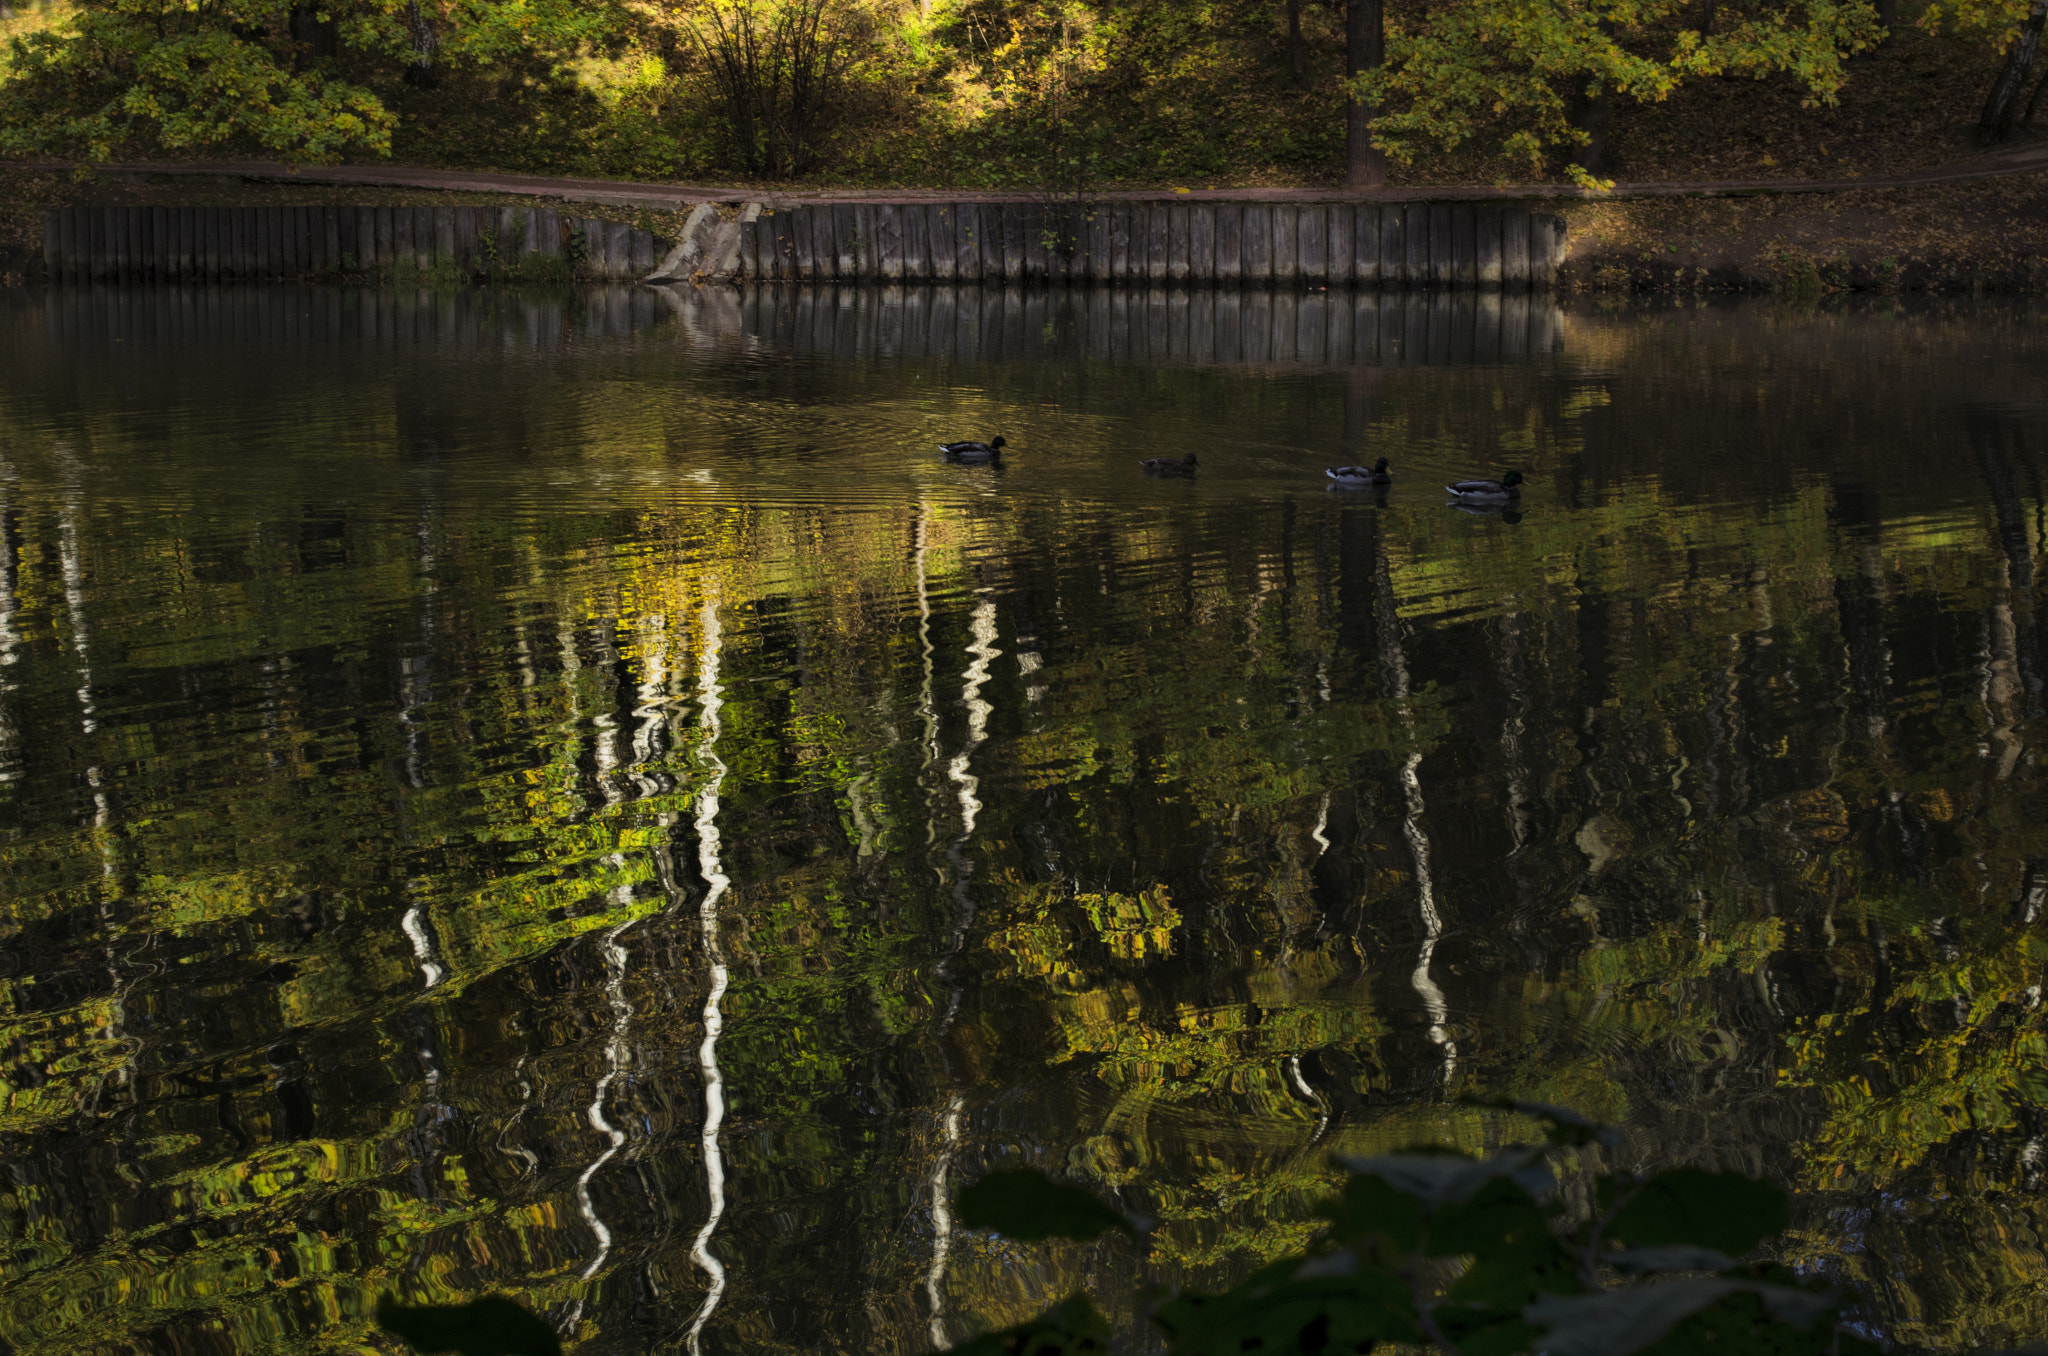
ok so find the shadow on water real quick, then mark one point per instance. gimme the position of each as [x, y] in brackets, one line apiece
[569, 794]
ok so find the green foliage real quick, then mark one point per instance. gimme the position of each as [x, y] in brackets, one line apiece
[490, 1326]
[1514, 74]
[179, 78]
[1475, 1256]
[1027, 1205]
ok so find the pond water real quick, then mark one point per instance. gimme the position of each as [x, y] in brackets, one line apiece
[572, 796]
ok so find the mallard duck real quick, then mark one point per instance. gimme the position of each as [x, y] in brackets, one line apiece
[1507, 487]
[992, 450]
[1170, 465]
[1375, 474]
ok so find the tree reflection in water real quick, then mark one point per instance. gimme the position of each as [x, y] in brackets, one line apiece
[374, 667]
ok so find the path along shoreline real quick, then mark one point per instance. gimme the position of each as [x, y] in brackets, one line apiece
[621, 193]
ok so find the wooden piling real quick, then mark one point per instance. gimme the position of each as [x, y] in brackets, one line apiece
[1488, 268]
[1415, 232]
[1286, 244]
[1441, 272]
[1465, 246]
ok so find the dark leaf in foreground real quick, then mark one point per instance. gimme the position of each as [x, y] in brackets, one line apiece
[1620, 1322]
[491, 1326]
[1724, 1211]
[1025, 1204]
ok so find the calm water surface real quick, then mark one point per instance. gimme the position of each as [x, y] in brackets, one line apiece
[572, 797]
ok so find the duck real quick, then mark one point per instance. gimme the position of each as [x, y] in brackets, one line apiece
[1507, 487]
[1375, 474]
[1170, 465]
[992, 450]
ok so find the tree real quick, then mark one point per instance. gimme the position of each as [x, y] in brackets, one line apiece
[1532, 77]
[181, 78]
[141, 75]
[1365, 51]
[2003, 102]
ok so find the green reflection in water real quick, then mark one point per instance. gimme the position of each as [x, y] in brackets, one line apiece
[571, 796]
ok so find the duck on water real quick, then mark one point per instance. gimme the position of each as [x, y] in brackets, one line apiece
[992, 450]
[1361, 476]
[1507, 488]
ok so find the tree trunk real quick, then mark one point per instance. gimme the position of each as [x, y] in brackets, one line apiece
[1365, 49]
[1996, 124]
[313, 39]
[426, 45]
[1593, 115]
[1297, 54]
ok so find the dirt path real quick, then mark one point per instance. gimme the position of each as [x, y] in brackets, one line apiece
[2010, 160]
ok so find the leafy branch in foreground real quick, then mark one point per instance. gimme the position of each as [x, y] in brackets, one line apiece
[1473, 1257]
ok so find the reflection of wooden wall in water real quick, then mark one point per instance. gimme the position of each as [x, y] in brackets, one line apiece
[462, 320]
[1135, 244]
[1150, 325]
[258, 244]
[970, 324]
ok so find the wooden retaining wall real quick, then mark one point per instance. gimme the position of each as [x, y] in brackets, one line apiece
[1294, 246]
[252, 244]
[1228, 244]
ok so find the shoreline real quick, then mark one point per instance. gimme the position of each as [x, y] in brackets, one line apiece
[1985, 233]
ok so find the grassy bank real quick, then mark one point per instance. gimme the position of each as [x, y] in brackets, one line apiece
[1985, 235]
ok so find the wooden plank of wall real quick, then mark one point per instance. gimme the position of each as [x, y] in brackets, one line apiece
[180, 269]
[889, 243]
[803, 263]
[117, 245]
[1257, 264]
[368, 258]
[915, 222]
[1393, 247]
[837, 238]
[1013, 242]
[384, 232]
[1286, 244]
[78, 232]
[347, 253]
[1547, 232]
[60, 243]
[466, 248]
[1441, 273]
[939, 223]
[1488, 267]
[867, 239]
[1157, 260]
[646, 253]
[750, 248]
[1312, 244]
[1365, 245]
[206, 243]
[1228, 269]
[402, 250]
[1179, 244]
[619, 248]
[1465, 245]
[1339, 268]
[1202, 246]
[1415, 232]
[330, 239]
[967, 242]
